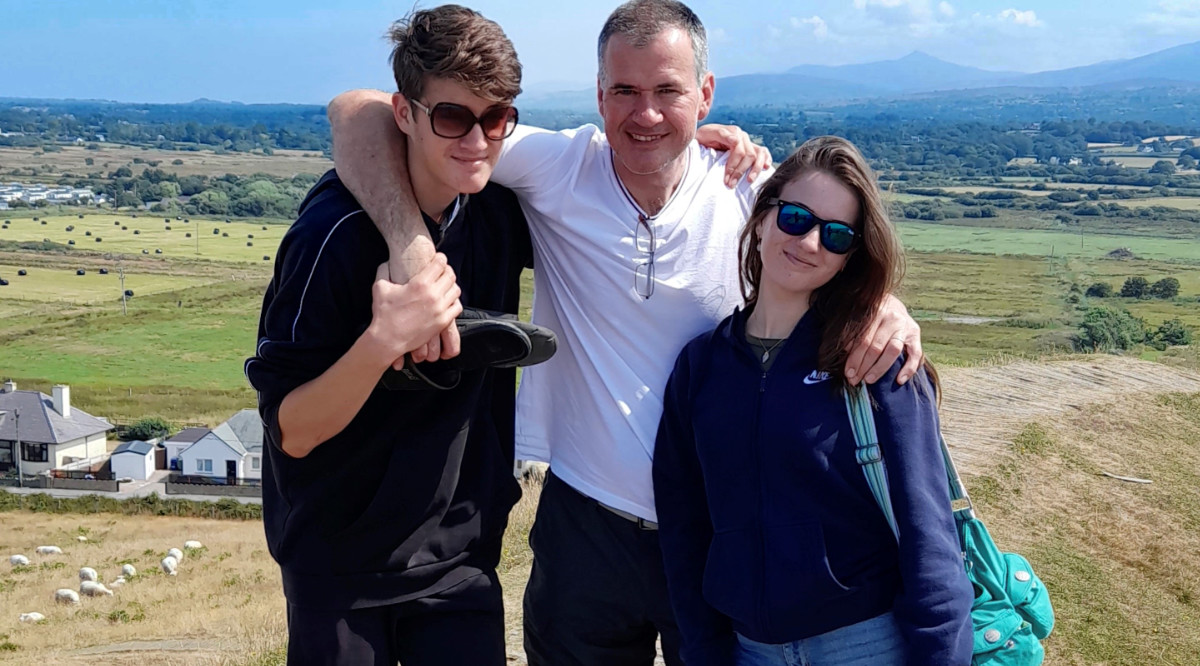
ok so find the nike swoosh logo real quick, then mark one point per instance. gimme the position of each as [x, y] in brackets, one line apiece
[816, 377]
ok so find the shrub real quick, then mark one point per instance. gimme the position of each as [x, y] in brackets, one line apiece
[147, 428]
[1172, 332]
[1108, 329]
[1165, 288]
[1136, 287]
[1099, 290]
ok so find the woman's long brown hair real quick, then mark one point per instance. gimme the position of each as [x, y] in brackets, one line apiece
[847, 304]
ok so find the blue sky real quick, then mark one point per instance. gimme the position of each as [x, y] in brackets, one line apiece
[307, 51]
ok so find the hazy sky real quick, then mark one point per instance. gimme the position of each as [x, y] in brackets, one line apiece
[307, 51]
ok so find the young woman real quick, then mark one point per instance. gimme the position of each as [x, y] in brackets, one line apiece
[775, 550]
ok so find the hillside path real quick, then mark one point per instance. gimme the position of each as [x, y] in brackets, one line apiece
[984, 407]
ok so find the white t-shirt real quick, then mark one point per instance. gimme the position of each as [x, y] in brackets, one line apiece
[592, 411]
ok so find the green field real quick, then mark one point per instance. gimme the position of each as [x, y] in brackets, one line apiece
[1182, 203]
[227, 244]
[979, 292]
[929, 237]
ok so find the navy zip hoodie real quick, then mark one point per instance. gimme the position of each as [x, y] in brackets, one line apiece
[412, 497]
[767, 524]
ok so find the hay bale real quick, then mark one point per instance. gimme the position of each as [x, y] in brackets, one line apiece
[44, 222]
[35, 219]
[116, 223]
[3, 282]
[249, 235]
[216, 231]
[137, 232]
[80, 272]
[87, 233]
[264, 227]
[22, 272]
[133, 216]
[70, 242]
[128, 293]
[81, 216]
[157, 251]
[70, 227]
[145, 251]
[249, 243]
[98, 239]
[266, 258]
[225, 235]
[167, 228]
[187, 235]
[186, 220]
[124, 228]
[104, 271]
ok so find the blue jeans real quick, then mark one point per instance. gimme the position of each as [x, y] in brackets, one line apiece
[873, 642]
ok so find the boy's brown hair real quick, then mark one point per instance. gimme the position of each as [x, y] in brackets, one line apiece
[457, 44]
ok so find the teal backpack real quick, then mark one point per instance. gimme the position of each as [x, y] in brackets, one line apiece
[1011, 612]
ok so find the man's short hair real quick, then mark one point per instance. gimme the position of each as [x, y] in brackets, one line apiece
[640, 21]
[458, 44]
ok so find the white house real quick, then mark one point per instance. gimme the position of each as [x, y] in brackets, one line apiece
[232, 450]
[182, 439]
[134, 460]
[51, 432]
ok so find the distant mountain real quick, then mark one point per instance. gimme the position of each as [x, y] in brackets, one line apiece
[1181, 63]
[915, 72]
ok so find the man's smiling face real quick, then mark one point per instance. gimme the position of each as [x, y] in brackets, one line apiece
[651, 101]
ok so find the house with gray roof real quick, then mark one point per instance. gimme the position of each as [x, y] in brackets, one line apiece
[53, 434]
[180, 441]
[232, 450]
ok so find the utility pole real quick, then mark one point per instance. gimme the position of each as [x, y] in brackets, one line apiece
[17, 427]
[121, 273]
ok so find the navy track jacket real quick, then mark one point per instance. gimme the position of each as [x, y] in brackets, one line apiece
[412, 497]
[767, 524]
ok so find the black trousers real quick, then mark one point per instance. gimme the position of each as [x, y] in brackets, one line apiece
[462, 625]
[597, 594]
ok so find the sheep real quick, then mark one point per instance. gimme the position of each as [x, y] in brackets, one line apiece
[192, 545]
[65, 596]
[120, 580]
[32, 617]
[88, 573]
[94, 589]
[18, 560]
[128, 570]
[81, 538]
[169, 564]
[175, 553]
[48, 550]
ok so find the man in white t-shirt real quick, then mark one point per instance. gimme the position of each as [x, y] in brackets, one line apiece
[635, 241]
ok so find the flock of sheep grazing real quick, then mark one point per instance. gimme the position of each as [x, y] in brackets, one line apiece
[89, 578]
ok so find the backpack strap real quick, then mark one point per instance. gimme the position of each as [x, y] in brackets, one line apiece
[867, 451]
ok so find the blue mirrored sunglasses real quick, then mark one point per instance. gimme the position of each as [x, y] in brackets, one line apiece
[797, 220]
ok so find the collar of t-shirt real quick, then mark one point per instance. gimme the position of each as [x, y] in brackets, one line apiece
[438, 230]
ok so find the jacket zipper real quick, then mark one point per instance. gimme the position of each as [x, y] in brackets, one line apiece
[762, 545]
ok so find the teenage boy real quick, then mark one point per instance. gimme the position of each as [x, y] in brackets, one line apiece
[385, 508]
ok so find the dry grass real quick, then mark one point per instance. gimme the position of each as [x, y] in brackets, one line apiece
[223, 597]
[1121, 560]
[224, 607]
[110, 157]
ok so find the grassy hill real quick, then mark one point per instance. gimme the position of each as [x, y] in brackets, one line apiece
[1121, 560]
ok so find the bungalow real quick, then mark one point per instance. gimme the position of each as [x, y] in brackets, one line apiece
[233, 450]
[52, 433]
[182, 439]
